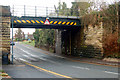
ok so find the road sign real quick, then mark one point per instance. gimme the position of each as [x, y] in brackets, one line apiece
[46, 21]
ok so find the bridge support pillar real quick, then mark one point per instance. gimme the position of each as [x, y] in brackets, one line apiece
[58, 49]
[5, 34]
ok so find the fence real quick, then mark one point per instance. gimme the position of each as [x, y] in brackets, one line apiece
[37, 11]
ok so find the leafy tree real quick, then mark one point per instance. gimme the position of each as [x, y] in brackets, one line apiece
[18, 34]
[62, 9]
[44, 38]
[36, 36]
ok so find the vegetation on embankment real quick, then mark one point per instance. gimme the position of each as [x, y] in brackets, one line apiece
[45, 38]
[108, 16]
[103, 16]
[32, 43]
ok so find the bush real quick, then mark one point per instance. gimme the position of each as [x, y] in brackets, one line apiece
[111, 47]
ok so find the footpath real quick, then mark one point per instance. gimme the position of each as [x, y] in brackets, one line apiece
[106, 61]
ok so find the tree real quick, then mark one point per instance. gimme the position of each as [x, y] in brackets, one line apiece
[44, 38]
[74, 9]
[18, 34]
[36, 37]
[62, 9]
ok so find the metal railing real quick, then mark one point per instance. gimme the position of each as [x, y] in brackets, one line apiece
[38, 11]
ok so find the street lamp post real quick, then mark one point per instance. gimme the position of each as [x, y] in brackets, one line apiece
[12, 32]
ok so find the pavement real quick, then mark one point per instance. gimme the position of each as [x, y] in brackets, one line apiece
[30, 62]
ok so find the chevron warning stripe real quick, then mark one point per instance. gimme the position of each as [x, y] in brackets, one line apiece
[67, 23]
[42, 22]
[28, 21]
[51, 22]
[71, 23]
[19, 21]
[23, 21]
[75, 23]
[32, 21]
[60, 22]
[55, 22]
[37, 21]
[15, 21]
[63, 22]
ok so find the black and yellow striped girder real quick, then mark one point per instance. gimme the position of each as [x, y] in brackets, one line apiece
[42, 22]
[39, 21]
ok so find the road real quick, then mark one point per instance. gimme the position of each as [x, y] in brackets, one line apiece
[37, 63]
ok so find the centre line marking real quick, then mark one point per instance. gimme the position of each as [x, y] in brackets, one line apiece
[111, 72]
[81, 67]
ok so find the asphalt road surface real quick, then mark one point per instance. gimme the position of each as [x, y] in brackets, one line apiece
[36, 63]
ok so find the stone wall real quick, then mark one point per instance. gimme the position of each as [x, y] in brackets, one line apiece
[85, 41]
[94, 37]
[4, 31]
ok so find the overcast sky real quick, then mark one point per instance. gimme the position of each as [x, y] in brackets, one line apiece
[43, 3]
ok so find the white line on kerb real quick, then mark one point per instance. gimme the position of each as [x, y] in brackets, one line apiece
[81, 67]
[110, 72]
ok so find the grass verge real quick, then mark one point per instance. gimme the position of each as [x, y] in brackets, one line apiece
[32, 43]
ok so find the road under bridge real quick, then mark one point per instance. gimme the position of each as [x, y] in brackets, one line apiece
[71, 24]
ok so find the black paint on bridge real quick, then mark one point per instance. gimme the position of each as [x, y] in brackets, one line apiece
[38, 22]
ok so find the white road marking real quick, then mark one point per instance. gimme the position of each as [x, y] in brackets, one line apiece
[42, 58]
[81, 67]
[23, 60]
[110, 72]
[29, 57]
[28, 53]
[36, 56]
[39, 56]
[48, 60]
[51, 54]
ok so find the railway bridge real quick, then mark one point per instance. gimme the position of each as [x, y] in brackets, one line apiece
[60, 23]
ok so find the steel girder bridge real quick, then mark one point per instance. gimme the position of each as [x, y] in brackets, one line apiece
[26, 20]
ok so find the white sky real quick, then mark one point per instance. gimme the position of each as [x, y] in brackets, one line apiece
[43, 3]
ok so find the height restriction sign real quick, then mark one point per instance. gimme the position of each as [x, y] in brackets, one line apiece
[46, 22]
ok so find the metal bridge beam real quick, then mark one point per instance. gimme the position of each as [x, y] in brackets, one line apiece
[38, 22]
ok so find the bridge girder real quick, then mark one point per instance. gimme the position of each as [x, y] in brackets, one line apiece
[38, 22]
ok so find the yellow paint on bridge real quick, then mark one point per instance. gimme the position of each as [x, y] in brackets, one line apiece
[42, 22]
